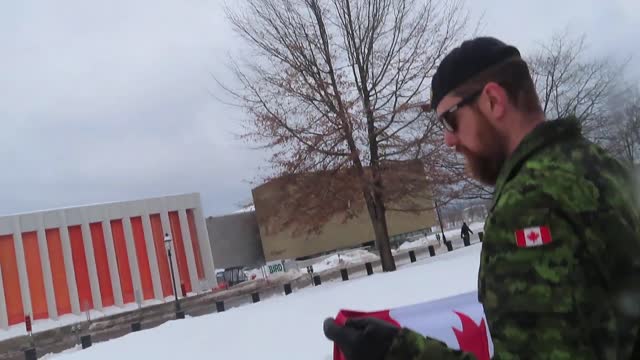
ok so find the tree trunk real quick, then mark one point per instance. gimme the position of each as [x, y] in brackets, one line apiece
[377, 214]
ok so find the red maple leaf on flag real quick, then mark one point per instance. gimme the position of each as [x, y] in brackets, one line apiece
[473, 337]
[533, 236]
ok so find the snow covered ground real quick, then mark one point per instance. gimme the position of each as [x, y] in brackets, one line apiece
[290, 327]
[351, 257]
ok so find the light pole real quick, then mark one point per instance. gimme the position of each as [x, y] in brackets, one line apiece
[444, 238]
[167, 245]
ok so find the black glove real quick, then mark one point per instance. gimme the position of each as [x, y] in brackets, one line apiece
[362, 338]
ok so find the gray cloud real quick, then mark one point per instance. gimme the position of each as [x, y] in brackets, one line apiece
[109, 101]
[105, 101]
[611, 27]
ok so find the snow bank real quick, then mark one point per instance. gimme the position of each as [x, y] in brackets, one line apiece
[351, 257]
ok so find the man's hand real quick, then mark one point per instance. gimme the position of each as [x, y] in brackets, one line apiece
[362, 338]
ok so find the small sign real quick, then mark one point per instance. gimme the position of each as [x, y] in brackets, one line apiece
[275, 267]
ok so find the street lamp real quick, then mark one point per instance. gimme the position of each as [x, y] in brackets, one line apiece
[444, 238]
[167, 245]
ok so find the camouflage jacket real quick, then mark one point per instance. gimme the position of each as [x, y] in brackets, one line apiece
[575, 295]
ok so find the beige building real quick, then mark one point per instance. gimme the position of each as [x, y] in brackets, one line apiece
[316, 213]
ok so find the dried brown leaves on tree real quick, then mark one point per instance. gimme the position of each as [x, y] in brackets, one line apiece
[327, 85]
[305, 202]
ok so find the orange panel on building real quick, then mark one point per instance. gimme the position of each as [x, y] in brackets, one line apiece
[102, 264]
[143, 257]
[58, 272]
[57, 275]
[124, 269]
[161, 254]
[34, 272]
[11, 280]
[195, 243]
[80, 268]
[178, 245]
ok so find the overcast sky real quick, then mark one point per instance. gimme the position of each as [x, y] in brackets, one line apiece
[107, 101]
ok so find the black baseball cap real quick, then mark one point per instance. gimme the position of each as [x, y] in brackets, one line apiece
[464, 62]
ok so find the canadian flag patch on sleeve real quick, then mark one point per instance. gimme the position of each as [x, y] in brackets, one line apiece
[533, 236]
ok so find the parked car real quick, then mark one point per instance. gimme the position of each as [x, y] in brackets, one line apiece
[231, 276]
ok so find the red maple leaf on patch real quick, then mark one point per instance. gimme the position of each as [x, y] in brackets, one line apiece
[473, 337]
[533, 236]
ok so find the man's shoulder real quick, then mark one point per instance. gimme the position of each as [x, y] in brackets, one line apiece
[575, 175]
[556, 176]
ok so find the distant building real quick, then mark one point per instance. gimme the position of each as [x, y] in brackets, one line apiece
[72, 260]
[235, 240]
[286, 241]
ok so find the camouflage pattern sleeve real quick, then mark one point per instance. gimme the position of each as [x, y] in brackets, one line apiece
[529, 293]
[559, 299]
[409, 345]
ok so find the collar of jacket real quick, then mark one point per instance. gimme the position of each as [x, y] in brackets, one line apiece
[542, 135]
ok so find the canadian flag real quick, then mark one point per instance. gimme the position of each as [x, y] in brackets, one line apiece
[458, 321]
[533, 236]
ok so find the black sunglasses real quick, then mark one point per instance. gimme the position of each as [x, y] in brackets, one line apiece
[447, 118]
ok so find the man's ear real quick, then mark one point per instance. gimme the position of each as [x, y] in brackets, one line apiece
[495, 102]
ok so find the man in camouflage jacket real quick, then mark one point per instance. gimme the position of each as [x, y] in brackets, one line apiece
[560, 265]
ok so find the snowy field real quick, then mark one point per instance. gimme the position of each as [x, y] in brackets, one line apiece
[290, 327]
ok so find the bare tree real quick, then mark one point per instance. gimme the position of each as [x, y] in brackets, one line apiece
[624, 115]
[327, 85]
[572, 83]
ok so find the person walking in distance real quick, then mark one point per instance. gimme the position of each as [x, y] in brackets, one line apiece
[464, 233]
